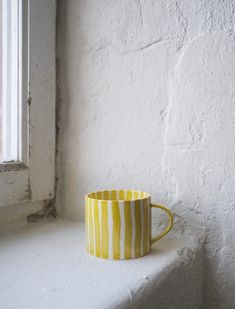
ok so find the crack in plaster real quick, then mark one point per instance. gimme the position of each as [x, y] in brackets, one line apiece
[170, 179]
[184, 22]
[197, 132]
[140, 7]
[145, 46]
[130, 297]
[125, 52]
[170, 182]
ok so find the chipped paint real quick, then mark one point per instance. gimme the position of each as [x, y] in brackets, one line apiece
[48, 210]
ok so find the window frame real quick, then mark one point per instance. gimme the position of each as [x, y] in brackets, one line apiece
[33, 176]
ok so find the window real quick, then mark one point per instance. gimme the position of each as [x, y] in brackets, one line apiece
[27, 106]
[11, 80]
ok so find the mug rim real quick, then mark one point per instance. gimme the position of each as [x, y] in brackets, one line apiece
[147, 195]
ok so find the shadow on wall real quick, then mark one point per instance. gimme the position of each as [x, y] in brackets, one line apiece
[199, 148]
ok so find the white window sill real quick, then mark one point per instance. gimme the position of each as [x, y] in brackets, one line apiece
[46, 266]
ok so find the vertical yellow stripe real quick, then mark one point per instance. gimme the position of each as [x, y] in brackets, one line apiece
[91, 226]
[128, 230]
[87, 224]
[128, 195]
[105, 230]
[146, 234]
[137, 228]
[121, 195]
[97, 228]
[149, 225]
[99, 195]
[113, 195]
[116, 230]
[106, 195]
[136, 194]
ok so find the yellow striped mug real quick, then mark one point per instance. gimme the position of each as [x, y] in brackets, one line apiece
[118, 224]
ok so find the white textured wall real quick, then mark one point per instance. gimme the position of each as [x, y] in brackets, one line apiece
[147, 102]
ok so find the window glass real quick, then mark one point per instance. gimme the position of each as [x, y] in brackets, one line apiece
[10, 79]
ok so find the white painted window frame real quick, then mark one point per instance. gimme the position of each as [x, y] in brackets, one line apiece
[31, 174]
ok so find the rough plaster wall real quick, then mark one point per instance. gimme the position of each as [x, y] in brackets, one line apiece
[147, 102]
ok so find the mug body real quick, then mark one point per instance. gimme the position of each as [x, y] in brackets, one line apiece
[118, 224]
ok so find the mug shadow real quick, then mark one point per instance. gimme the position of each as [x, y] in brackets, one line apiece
[168, 245]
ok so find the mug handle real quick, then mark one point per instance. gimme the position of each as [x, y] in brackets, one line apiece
[170, 223]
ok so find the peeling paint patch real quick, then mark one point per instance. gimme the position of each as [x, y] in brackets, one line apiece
[47, 211]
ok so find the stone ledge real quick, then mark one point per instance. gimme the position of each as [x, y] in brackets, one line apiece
[46, 266]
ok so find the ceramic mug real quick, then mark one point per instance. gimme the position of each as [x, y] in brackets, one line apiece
[118, 224]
